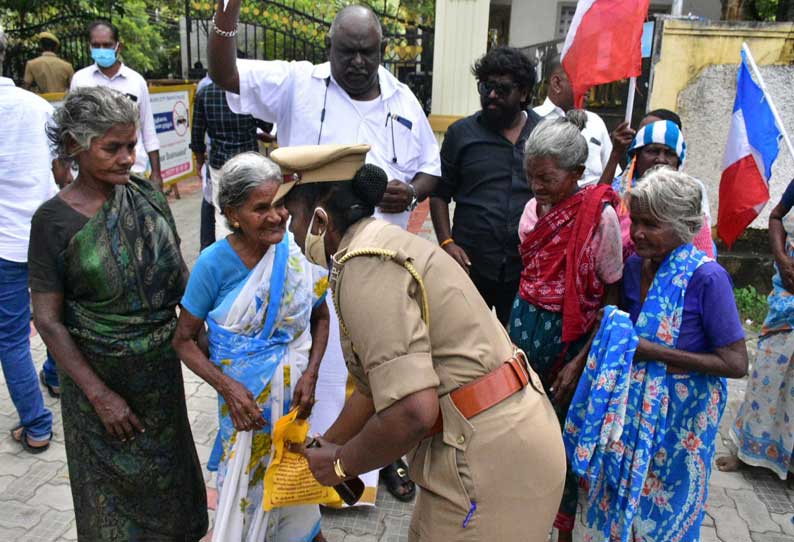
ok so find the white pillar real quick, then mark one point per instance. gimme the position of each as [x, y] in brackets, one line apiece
[183, 46]
[461, 36]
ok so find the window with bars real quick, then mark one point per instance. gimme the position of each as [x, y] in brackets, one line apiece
[564, 18]
[566, 11]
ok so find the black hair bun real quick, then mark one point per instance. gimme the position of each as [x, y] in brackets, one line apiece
[369, 184]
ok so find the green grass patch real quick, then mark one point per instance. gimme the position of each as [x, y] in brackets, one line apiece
[752, 307]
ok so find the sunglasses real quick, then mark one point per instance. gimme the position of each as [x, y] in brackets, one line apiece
[500, 88]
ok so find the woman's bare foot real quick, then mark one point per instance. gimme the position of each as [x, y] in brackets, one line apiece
[212, 498]
[729, 463]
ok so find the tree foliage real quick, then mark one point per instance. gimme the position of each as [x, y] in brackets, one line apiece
[150, 28]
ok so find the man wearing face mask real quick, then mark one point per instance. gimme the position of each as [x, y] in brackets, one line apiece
[109, 71]
[350, 99]
[482, 169]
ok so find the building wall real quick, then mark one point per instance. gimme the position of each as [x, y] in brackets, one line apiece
[461, 35]
[532, 21]
[536, 21]
[696, 76]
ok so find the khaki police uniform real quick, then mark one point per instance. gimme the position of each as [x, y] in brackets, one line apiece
[509, 459]
[48, 73]
[500, 472]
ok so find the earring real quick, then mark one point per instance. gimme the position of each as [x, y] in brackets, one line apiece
[236, 225]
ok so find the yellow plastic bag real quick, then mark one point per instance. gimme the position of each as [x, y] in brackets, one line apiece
[288, 480]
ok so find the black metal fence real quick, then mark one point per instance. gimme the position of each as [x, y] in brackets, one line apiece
[64, 18]
[279, 31]
[609, 100]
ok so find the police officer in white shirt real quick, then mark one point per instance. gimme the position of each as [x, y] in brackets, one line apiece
[351, 99]
[559, 99]
[109, 71]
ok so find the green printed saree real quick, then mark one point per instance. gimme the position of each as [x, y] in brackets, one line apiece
[124, 276]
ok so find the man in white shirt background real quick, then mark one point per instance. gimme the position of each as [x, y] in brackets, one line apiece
[559, 99]
[109, 71]
[350, 99]
[26, 181]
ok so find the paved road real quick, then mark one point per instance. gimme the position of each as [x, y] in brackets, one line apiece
[750, 506]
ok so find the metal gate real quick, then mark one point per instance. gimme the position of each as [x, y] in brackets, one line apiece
[279, 31]
[64, 18]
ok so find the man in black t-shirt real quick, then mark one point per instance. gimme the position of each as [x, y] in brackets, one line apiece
[482, 169]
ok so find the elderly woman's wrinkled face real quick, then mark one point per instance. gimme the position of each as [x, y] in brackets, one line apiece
[655, 154]
[259, 219]
[652, 239]
[550, 183]
[111, 156]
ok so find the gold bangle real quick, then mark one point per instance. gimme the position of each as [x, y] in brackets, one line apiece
[446, 242]
[338, 469]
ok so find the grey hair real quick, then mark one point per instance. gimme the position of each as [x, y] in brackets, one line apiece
[3, 46]
[241, 175]
[671, 197]
[560, 139]
[336, 23]
[88, 113]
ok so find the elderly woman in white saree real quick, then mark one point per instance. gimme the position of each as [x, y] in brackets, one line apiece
[264, 306]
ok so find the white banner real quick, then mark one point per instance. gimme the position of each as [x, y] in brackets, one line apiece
[171, 110]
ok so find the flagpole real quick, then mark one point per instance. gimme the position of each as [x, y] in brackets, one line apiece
[630, 99]
[772, 107]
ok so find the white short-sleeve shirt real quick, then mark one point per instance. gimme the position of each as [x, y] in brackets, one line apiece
[26, 179]
[131, 83]
[599, 144]
[293, 95]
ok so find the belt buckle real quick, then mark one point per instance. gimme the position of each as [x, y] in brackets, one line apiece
[521, 357]
[532, 377]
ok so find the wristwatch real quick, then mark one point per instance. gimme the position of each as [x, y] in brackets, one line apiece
[414, 200]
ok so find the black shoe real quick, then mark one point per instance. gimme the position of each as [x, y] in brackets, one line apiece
[395, 476]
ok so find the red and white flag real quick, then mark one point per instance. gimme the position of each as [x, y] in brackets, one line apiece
[604, 43]
[753, 145]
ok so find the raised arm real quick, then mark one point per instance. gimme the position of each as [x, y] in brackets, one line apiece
[221, 50]
[621, 139]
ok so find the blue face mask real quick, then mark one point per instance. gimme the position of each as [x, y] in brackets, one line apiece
[104, 58]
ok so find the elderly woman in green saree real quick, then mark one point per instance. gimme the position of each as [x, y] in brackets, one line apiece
[107, 274]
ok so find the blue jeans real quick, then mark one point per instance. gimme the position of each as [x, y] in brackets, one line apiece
[18, 368]
[207, 228]
[50, 371]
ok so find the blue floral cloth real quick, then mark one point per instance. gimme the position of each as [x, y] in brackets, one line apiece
[598, 410]
[651, 483]
[764, 426]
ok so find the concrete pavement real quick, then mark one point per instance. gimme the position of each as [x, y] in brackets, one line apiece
[36, 503]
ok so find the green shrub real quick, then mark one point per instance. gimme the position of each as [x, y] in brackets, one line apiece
[752, 306]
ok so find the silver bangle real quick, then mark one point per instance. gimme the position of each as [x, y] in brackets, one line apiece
[223, 33]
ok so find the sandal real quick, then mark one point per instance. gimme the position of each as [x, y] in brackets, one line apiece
[23, 440]
[395, 476]
[54, 391]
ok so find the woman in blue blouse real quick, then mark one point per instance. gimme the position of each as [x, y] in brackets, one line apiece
[264, 306]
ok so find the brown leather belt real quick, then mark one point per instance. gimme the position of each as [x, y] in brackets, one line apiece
[488, 390]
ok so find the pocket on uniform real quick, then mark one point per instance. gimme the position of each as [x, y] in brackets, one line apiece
[465, 477]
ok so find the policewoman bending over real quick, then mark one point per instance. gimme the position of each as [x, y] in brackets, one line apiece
[436, 375]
